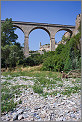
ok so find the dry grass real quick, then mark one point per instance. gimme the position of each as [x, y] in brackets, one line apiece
[21, 68]
[34, 68]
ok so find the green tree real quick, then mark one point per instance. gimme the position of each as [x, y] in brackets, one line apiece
[66, 57]
[7, 33]
[5, 51]
[14, 55]
[59, 48]
[11, 51]
[11, 56]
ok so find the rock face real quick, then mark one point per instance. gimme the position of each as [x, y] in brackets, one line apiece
[77, 24]
[68, 34]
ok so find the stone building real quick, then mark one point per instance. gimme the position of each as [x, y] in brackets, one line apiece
[45, 47]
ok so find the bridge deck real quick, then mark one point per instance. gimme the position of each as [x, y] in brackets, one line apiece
[40, 24]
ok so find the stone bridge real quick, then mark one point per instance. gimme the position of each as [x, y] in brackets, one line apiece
[51, 29]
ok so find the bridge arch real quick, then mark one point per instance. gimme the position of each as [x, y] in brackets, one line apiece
[18, 27]
[59, 34]
[34, 28]
[21, 35]
[44, 37]
[65, 29]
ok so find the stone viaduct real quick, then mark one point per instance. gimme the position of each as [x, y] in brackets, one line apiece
[51, 29]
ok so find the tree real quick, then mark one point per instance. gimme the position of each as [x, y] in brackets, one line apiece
[7, 33]
[11, 51]
[59, 48]
[14, 55]
[11, 56]
[66, 57]
[5, 51]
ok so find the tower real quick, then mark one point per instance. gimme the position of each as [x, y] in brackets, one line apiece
[40, 44]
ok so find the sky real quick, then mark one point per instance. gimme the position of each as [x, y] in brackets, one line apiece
[52, 12]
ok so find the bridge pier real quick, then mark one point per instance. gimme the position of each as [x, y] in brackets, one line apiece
[52, 44]
[26, 47]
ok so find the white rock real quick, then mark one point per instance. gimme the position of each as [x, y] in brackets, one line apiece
[20, 111]
[20, 117]
[15, 116]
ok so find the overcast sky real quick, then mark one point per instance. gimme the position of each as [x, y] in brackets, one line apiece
[52, 12]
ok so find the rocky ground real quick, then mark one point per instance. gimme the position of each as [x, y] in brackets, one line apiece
[36, 107]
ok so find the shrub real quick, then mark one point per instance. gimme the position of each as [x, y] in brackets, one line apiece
[66, 57]
[59, 48]
[37, 89]
[8, 106]
[33, 60]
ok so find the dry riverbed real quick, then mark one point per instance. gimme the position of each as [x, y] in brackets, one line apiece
[29, 98]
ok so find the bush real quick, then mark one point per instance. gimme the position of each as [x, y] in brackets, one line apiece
[48, 64]
[59, 48]
[33, 60]
[66, 57]
[8, 106]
